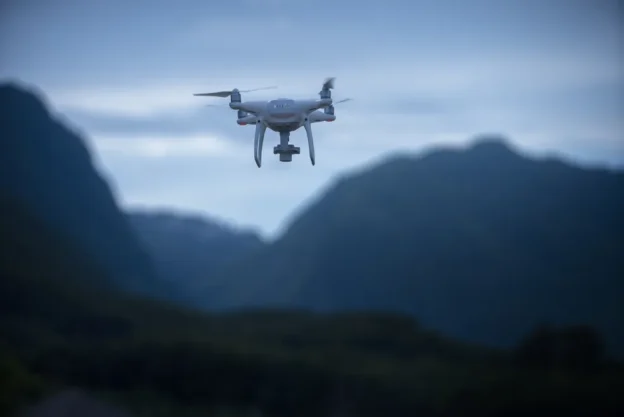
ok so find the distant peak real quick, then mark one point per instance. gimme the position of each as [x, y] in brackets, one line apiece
[20, 98]
[485, 147]
[11, 87]
[492, 144]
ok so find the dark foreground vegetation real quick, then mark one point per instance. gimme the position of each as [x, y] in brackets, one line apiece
[62, 326]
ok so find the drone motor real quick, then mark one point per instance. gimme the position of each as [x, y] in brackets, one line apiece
[235, 96]
[325, 93]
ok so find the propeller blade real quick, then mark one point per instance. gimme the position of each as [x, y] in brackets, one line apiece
[258, 89]
[217, 94]
[229, 93]
[343, 100]
[329, 83]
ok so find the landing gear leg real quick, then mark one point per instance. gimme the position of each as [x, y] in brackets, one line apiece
[308, 129]
[258, 142]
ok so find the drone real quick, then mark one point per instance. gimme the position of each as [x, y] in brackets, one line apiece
[283, 116]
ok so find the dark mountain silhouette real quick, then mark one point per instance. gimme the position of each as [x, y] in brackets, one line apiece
[48, 287]
[62, 324]
[188, 249]
[60, 329]
[481, 243]
[47, 167]
[36, 265]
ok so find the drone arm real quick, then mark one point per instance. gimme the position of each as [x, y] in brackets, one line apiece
[318, 116]
[258, 142]
[308, 129]
[312, 105]
[247, 120]
[253, 107]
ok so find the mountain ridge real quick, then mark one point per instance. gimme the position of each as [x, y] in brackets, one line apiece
[199, 218]
[444, 213]
[188, 248]
[46, 165]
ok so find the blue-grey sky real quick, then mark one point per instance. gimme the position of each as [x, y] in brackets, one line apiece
[549, 74]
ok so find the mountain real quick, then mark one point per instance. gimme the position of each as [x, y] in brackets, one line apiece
[66, 324]
[480, 243]
[44, 281]
[188, 249]
[48, 168]
[61, 330]
[62, 326]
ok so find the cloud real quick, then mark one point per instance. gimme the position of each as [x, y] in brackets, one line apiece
[570, 116]
[166, 147]
[502, 75]
[547, 74]
[203, 33]
[172, 122]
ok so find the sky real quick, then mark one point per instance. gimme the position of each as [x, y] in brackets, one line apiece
[546, 74]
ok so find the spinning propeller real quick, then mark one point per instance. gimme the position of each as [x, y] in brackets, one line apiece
[225, 106]
[229, 93]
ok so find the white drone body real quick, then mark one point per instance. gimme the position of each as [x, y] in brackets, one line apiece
[283, 116]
